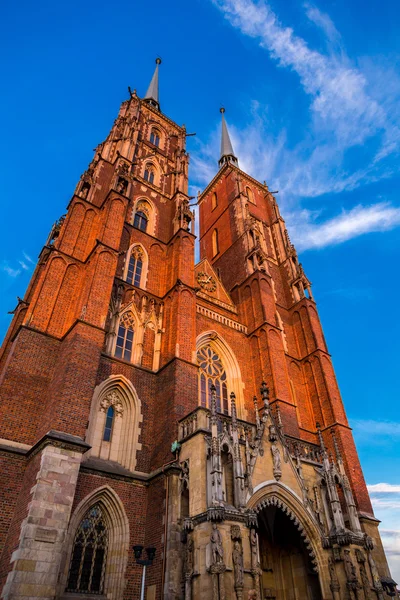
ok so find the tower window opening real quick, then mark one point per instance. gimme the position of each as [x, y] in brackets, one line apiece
[250, 195]
[155, 137]
[135, 267]
[227, 477]
[214, 201]
[109, 423]
[88, 560]
[215, 248]
[140, 220]
[149, 173]
[125, 335]
[212, 372]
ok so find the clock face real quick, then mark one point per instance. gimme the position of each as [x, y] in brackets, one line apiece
[207, 282]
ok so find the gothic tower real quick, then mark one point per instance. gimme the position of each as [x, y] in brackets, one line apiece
[148, 401]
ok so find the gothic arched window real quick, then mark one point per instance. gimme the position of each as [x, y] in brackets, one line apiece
[214, 201]
[212, 372]
[155, 137]
[126, 332]
[135, 266]
[108, 424]
[149, 173]
[250, 195]
[88, 560]
[140, 221]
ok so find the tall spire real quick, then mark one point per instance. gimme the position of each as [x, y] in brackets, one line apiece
[152, 91]
[227, 153]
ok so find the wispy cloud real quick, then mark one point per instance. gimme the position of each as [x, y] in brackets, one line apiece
[375, 432]
[345, 226]
[28, 258]
[385, 488]
[9, 270]
[385, 498]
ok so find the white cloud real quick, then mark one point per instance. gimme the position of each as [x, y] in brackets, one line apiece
[386, 488]
[375, 431]
[23, 265]
[10, 271]
[307, 234]
[385, 498]
[340, 100]
[325, 23]
[28, 258]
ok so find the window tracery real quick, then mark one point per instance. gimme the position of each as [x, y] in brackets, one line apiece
[212, 372]
[149, 173]
[125, 335]
[135, 266]
[155, 137]
[88, 560]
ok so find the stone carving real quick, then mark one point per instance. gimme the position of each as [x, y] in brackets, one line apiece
[276, 459]
[353, 584]
[189, 557]
[273, 435]
[112, 399]
[216, 545]
[252, 595]
[365, 581]
[375, 576]
[334, 585]
[238, 568]
[184, 475]
[207, 282]
[122, 185]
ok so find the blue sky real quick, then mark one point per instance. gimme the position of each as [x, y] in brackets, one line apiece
[311, 92]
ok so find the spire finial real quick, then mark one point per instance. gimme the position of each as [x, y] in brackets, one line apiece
[152, 91]
[227, 153]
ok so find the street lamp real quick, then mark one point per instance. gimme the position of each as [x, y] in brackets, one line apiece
[151, 552]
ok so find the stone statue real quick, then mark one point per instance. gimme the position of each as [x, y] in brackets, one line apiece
[276, 459]
[353, 584]
[216, 545]
[365, 582]
[252, 595]
[253, 547]
[237, 558]
[375, 575]
[334, 585]
[189, 557]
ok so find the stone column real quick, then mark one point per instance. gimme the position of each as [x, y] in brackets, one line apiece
[36, 561]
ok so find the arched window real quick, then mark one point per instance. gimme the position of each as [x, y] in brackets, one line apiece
[155, 137]
[212, 372]
[140, 221]
[250, 195]
[126, 332]
[214, 201]
[215, 248]
[109, 423]
[135, 266]
[227, 477]
[88, 560]
[149, 173]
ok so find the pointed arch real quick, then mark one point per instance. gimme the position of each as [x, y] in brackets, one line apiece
[234, 381]
[136, 266]
[116, 391]
[117, 524]
[146, 206]
[274, 493]
[151, 172]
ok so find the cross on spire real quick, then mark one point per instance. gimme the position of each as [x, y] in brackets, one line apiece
[152, 91]
[227, 153]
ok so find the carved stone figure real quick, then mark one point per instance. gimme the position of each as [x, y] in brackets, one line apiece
[276, 458]
[189, 562]
[334, 585]
[216, 545]
[252, 595]
[253, 548]
[122, 185]
[375, 575]
[365, 582]
[353, 584]
[237, 558]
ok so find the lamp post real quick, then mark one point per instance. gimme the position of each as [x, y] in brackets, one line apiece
[151, 552]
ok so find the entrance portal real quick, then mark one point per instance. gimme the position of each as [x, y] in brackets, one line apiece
[287, 570]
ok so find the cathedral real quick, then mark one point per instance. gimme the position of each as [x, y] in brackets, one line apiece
[173, 430]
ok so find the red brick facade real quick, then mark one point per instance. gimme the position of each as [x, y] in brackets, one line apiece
[61, 343]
